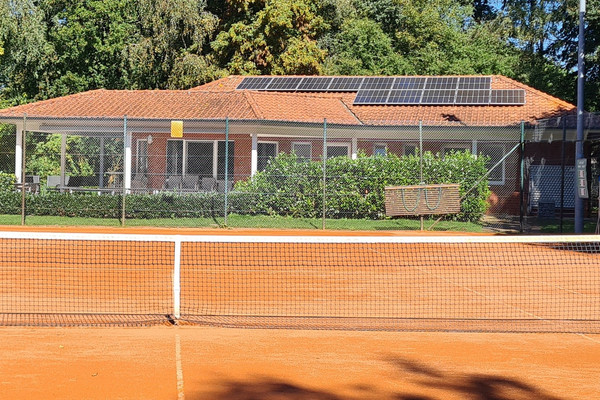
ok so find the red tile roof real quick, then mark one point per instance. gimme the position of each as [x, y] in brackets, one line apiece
[220, 99]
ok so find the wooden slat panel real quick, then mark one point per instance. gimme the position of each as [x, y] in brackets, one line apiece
[422, 200]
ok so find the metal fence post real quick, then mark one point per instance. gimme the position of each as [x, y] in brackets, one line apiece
[522, 178]
[324, 156]
[226, 167]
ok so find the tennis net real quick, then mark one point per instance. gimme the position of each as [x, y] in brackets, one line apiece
[461, 283]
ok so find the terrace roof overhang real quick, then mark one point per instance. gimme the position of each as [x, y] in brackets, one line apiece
[115, 127]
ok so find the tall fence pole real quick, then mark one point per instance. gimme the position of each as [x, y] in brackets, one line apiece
[324, 156]
[522, 179]
[580, 99]
[226, 167]
[562, 173]
[421, 219]
[23, 165]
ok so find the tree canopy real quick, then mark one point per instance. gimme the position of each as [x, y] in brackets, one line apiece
[51, 48]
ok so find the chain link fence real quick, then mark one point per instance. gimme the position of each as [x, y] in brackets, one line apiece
[273, 174]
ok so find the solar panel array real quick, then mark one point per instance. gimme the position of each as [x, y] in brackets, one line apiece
[403, 90]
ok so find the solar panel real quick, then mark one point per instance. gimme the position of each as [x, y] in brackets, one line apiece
[255, 83]
[438, 96]
[507, 96]
[441, 82]
[377, 83]
[346, 84]
[372, 96]
[472, 96]
[409, 83]
[475, 83]
[407, 96]
[284, 83]
[314, 84]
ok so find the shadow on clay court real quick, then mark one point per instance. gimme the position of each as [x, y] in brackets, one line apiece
[456, 385]
[472, 386]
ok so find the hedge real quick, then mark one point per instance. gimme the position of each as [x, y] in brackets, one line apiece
[288, 186]
[355, 188]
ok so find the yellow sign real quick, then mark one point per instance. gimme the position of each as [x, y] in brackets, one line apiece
[177, 129]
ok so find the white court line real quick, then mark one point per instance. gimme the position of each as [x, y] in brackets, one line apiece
[180, 392]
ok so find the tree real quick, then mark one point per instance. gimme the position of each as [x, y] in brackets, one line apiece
[362, 48]
[271, 37]
[26, 54]
[168, 50]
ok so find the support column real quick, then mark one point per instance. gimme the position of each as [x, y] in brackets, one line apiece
[19, 153]
[254, 155]
[128, 158]
[354, 148]
[63, 159]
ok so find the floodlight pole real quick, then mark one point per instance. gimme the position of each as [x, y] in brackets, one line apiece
[580, 120]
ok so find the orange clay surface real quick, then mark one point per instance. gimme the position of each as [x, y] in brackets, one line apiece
[249, 364]
[194, 362]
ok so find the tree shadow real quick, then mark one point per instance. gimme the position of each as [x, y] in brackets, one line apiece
[266, 389]
[471, 386]
[419, 375]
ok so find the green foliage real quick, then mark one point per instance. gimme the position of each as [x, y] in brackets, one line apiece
[7, 182]
[271, 37]
[355, 188]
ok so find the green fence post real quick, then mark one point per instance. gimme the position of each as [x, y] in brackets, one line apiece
[324, 156]
[226, 166]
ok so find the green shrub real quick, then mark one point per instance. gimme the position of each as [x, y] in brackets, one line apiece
[356, 188]
[7, 182]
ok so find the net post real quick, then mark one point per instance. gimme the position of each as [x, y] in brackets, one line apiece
[177, 279]
[23, 166]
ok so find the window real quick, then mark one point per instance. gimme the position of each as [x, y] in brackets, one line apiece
[380, 149]
[265, 151]
[195, 157]
[141, 166]
[410, 149]
[221, 160]
[174, 157]
[338, 150]
[455, 148]
[495, 152]
[302, 150]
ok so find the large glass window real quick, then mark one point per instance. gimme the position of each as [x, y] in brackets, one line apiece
[221, 160]
[203, 158]
[265, 151]
[199, 158]
[174, 157]
[141, 166]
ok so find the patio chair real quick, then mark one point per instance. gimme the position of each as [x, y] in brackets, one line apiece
[173, 182]
[53, 181]
[221, 186]
[190, 183]
[139, 183]
[208, 184]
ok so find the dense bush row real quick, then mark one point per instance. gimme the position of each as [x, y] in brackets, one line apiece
[288, 186]
[355, 188]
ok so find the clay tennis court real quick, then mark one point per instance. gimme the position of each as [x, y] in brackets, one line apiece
[356, 287]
